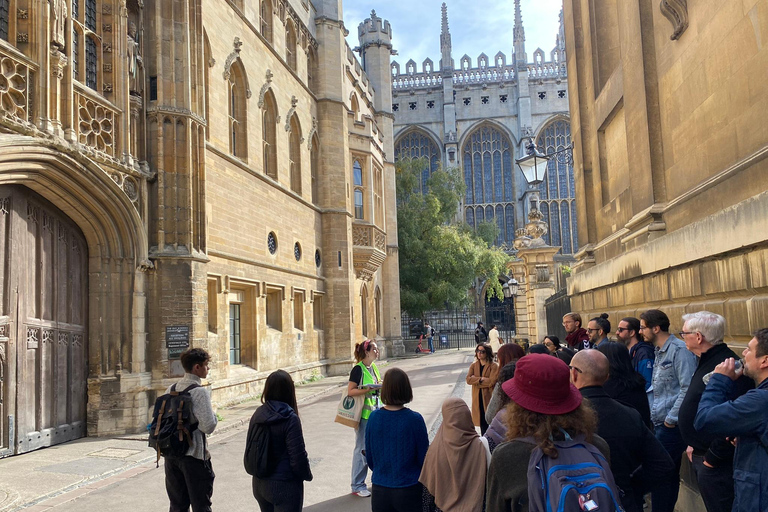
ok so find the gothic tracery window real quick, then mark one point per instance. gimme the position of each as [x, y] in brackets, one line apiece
[87, 41]
[414, 145]
[357, 180]
[266, 19]
[314, 157]
[290, 45]
[269, 135]
[489, 177]
[238, 110]
[294, 154]
[558, 190]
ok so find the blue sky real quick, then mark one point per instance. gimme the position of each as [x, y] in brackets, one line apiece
[476, 26]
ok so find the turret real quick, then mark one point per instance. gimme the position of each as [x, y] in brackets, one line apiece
[446, 62]
[375, 35]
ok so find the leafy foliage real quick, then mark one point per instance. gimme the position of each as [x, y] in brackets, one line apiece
[440, 257]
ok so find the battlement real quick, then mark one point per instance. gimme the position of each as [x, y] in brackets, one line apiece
[374, 29]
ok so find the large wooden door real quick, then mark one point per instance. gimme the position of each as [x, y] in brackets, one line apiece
[43, 316]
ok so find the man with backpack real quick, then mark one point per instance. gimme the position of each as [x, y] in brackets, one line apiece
[195, 466]
[636, 454]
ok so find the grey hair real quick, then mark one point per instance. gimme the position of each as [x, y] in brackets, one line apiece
[710, 325]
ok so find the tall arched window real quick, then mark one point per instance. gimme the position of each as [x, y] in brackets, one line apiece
[364, 310]
[269, 135]
[312, 70]
[377, 308]
[416, 144]
[314, 161]
[294, 153]
[238, 110]
[207, 78]
[266, 19]
[558, 190]
[87, 41]
[357, 178]
[290, 45]
[355, 106]
[488, 174]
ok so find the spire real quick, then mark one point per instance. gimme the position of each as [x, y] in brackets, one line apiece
[519, 37]
[445, 41]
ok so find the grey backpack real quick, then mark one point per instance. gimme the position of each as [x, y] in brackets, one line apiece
[578, 480]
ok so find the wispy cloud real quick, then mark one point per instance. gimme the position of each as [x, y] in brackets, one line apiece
[476, 26]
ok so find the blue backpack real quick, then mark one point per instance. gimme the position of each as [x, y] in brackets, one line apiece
[578, 480]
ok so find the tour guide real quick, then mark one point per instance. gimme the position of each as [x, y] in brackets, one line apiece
[363, 375]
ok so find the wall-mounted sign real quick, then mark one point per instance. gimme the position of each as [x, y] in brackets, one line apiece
[176, 340]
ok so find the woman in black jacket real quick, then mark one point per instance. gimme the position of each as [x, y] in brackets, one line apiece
[624, 384]
[283, 489]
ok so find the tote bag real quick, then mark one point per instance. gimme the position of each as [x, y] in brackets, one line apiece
[349, 410]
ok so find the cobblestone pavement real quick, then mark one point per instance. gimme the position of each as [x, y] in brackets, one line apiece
[120, 471]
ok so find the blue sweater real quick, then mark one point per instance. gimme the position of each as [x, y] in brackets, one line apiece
[396, 443]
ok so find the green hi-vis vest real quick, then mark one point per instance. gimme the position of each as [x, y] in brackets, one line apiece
[371, 402]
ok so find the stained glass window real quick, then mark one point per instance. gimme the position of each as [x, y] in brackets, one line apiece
[488, 175]
[558, 188]
[91, 63]
[470, 216]
[414, 145]
[544, 208]
[90, 14]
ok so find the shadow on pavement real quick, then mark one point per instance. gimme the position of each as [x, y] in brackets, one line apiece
[348, 502]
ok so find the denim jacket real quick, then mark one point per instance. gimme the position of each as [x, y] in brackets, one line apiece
[745, 418]
[672, 373]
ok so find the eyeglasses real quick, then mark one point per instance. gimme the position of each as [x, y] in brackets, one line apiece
[574, 368]
[622, 329]
[593, 330]
[683, 333]
[480, 352]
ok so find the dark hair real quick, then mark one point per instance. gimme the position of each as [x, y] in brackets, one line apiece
[545, 428]
[488, 351]
[509, 352]
[620, 367]
[507, 372]
[634, 325]
[655, 318]
[362, 349]
[191, 357]
[762, 342]
[602, 322]
[538, 348]
[554, 339]
[396, 388]
[493, 325]
[575, 317]
[279, 387]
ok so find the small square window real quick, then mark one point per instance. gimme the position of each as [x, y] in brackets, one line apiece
[467, 101]
[542, 95]
[412, 105]
[275, 309]
[561, 93]
[431, 104]
[484, 100]
[395, 107]
[503, 98]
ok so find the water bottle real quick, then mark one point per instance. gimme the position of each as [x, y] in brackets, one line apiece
[737, 366]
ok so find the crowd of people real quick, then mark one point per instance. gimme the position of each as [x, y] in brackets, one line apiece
[635, 407]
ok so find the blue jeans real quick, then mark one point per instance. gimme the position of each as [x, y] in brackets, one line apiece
[672, 441]
[359, 463]
[431, 346]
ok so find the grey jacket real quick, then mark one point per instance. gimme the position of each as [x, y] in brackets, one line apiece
[672, 372]
[202, 412]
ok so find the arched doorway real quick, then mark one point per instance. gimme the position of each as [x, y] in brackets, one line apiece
[43, 318]
[500, 312]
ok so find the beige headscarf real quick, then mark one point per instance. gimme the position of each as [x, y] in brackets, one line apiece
[455, 467]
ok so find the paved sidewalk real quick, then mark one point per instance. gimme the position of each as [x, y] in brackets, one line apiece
[43, 479]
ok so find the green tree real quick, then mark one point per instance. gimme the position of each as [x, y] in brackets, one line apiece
[440, 257]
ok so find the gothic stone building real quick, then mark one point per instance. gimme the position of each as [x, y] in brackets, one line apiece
[207, 173]
[668, 103]
[478, 117]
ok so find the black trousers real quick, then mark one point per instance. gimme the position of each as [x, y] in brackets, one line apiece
[715, 485]
[278, 495]
[396, 499]
[189, 481]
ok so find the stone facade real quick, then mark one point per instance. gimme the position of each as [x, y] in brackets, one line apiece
[208, 150]
[670, 158]
[478, 117]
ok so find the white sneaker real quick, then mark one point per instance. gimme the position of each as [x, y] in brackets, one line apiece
[365, 493]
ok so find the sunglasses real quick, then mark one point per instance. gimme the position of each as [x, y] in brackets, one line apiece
[480, 352]
[622, 329]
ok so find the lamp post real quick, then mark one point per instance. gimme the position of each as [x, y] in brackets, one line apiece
[533, 165]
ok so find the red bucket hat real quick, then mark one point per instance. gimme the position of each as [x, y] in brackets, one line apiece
[542, 384]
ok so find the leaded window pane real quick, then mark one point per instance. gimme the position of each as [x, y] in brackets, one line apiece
[359, 212]
[544, 208]
[554, 223]
[574, 228]
[478, 167]
[508, 171]
[480, 213]
[470, 216]
[489, 213]
[509, 213]
[4, 18]
[75, 9]
[358, 173]
[559, 185]
[90, 14]
[415, 145]
[468, 178]
[75, 54]
[498, 179]
[566, 223]
[91, 63]
[500, 224]
[488, 177]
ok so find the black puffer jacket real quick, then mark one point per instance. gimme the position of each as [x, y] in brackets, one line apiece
[286, 440]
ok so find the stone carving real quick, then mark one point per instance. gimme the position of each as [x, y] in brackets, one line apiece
[294, 102]
[58, 62]
[676, 11]
[107, 68]
[63, 338]
[96, 125]
[77, 340]
[264, 88]
[47, 336]
[33, 337]
[106, 9]
[4, 331]
[13, 87]
[312, 132]
[22, 14]
[107, 88]
[135, 62]
[4, 205]
[22, 37]
[33, 213]
[235, 55]
[380, 241]
[106, 47]
[130, 188]
[361, 236]
[106, 27]
[58, 21]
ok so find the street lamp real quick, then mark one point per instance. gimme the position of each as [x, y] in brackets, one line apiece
[534, 165]
[510, 288]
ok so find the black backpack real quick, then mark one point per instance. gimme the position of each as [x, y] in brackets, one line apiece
[170, 432]
[256, 457]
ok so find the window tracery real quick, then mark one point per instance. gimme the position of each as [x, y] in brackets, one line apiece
[238, 111]
[294, 154]
[88, 41]
[266, 19]
[558, 190]
[314, 162]
[290, 45]
[414, 145]
[488, 175]
[269, 135]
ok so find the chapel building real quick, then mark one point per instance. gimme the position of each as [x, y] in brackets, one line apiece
[205, 173]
